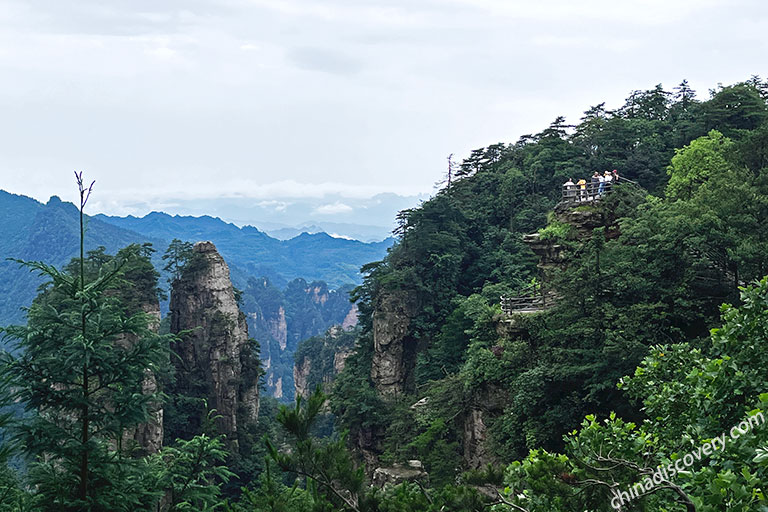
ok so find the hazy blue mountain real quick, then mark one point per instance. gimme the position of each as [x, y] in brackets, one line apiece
[361, 218]
[30, 230]
[288, 232]
[35, 231]
[362, 232]
[316, 256]
[293, 289]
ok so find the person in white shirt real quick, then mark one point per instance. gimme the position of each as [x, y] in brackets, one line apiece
[570, 189]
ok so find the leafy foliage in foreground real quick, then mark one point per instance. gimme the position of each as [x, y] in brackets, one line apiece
[334, 482]
[690, 399]
[80, 374]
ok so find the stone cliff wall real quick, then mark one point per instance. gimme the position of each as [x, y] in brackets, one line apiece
[215, 357]
[394, 355]
[350, 321]
[486, 404]
[321, 358]
[148, 436]
[281, 319]
[301, 377]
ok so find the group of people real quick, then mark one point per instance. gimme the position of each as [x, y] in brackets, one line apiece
[598, 185]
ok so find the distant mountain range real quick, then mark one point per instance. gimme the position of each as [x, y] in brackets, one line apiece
[366, 219]
[360, 232]
[35, 231]
[317, 256]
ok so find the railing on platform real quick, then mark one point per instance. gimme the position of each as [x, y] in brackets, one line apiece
[528, 299]
[592, 190]
[587, 192]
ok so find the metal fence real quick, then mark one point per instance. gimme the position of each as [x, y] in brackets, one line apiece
[593, 190]
[586, 192]
[529, 298]
[511, 305]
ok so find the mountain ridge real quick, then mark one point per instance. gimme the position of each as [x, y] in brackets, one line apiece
[32, 230]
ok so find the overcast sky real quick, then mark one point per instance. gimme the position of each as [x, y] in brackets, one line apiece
[160, 100]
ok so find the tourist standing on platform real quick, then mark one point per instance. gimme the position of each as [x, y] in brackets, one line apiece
[570, 189]
[594, 184]
[582, 184]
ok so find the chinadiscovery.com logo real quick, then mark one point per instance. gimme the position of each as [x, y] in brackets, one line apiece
[665, 473]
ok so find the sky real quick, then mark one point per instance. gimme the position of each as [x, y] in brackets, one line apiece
[194, 106]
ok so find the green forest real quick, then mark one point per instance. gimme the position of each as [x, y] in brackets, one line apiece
[638, 383]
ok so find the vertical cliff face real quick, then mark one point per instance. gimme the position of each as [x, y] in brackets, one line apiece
[487, 404]
[320, 359]
[149, 435]
[146, 437]
[281, 319]
[215, 360]
[394, 353]
[301, 373]
[278, 328]
[350, 321]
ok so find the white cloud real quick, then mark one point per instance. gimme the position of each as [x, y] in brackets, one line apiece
[276, 99]
[333, 209]
[162, 52]
[343, 237]
[636, 12]
[278, 206]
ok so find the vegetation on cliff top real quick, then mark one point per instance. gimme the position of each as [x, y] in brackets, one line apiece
[657, 276]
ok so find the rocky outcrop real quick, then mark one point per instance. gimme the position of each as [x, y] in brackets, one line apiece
[394, 353]
[149, 435]
[319, 293]
[396, 474]
[278, 328]
[350, 321]
[275, 383]
[475, 436]
[487, 404]
[301, 377]
[321, 358]
[340, 359]
[550, 253]
[281, 319]
[145, 438]
[583, 218]
[554, 252]
[215, 358]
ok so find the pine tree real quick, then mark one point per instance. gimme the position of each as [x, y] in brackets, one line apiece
[79, 371]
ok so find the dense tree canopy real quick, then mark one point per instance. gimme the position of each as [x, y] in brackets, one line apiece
[671, 251]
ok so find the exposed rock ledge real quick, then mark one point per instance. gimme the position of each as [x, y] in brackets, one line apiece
[398, 473]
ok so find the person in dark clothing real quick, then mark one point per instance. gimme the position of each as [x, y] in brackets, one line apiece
[594, 184]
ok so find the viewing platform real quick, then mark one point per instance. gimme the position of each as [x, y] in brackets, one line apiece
[592, 191]
[586, 193]
[552, 252]
[530, 299]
